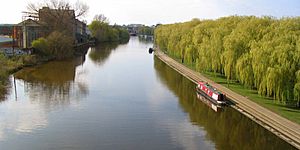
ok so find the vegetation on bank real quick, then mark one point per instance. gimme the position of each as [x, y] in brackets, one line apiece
[262, 54]
[103, 32]
[57, 23]
[288, 112]
[145, 30]
[57, 45]
[57, 41]
[9, 65]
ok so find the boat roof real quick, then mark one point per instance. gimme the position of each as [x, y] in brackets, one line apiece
[210, 87]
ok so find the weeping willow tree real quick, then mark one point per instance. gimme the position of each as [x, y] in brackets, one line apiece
[262, 53]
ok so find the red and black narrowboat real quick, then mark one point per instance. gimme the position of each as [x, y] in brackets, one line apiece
[216, 98]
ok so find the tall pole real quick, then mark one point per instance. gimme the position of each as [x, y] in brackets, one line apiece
[13, 42]
[24, 36]
[24, 29]
[15, 86]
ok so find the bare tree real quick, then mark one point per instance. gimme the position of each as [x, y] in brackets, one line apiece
[58, 15]
[81, 9]
[101, 18]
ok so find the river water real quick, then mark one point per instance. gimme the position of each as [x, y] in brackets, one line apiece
[118, 97]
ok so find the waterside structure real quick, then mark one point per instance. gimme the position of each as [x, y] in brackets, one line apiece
[36, 25]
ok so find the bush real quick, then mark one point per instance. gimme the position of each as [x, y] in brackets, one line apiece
[41, 46]
[29, 59]
[60, 45]
[57, 44]
[124, 34]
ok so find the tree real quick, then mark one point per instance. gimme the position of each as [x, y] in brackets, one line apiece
[297, 88]
[261, 53]
[41, 46]
[57, 15]
[145, 30]
[60, 45]
[57, 44]
[101, 18]
[103, 32]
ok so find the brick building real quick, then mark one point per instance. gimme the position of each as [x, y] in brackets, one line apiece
[49, 20]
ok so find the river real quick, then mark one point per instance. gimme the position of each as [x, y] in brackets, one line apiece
[118, 97]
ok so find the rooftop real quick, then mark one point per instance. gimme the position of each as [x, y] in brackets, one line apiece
[4, 39]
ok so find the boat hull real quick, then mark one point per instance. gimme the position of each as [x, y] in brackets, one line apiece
[213, 106]
[215, 102]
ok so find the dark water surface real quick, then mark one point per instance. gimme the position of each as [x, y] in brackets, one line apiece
[118, 97]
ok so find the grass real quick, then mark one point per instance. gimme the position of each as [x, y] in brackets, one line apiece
[9, 65]
[291, 113]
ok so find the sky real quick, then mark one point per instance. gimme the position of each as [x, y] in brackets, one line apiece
[151, 12]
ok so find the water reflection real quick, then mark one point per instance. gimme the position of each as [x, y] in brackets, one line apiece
[46, 88]
[53, 84]
[51, 73]
[36, 91]
[147, 39]
[227, 129]
[123, 102]
[24, 117]
[101, 52]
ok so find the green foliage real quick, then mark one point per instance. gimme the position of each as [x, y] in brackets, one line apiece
[60, 45]
[103, 32]
[57, 44]
[123, 34]
[261, 53]
[3, 70]
[7, 66]
[100, 30]
[41, 46]
[145, 30]
[297, 87]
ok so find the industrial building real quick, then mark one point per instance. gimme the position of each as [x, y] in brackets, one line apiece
[34, 26]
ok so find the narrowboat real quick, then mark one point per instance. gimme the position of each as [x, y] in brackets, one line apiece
[212, 94]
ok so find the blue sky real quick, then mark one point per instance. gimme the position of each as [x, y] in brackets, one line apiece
[165, 11]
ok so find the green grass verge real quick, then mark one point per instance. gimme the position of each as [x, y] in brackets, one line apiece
[8, 66]
[292, 114]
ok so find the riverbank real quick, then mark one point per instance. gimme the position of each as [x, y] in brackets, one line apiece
[16, 63]
[282, 127]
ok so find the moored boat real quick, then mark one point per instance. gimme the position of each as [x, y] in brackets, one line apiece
[212, 94]
[206, 101]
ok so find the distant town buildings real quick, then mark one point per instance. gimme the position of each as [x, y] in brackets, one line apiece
[133, 29]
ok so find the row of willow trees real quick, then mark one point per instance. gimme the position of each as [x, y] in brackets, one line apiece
[262, 53]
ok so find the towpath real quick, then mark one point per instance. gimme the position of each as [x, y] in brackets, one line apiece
[282, 127]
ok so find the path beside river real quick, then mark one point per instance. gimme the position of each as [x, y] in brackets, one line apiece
[282, 127]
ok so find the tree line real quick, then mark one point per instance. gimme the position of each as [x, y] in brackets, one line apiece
[262, 53]
[103, 32]
[146, 30]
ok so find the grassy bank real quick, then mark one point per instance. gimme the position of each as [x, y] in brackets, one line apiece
[290, 113]
[10, 65]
